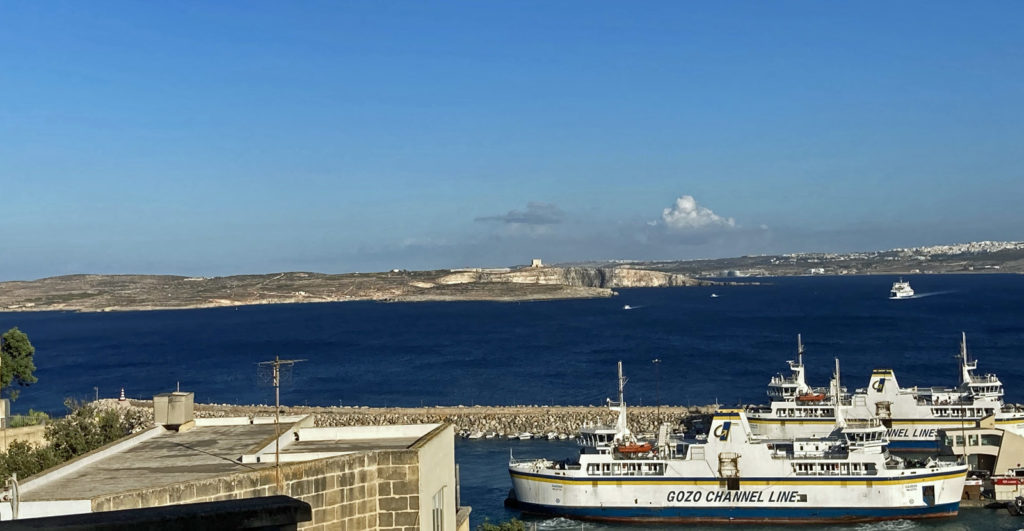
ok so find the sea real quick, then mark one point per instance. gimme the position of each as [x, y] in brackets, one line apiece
[710, 349]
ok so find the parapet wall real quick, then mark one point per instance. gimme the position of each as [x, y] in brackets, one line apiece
[368, 490]
[30, 434]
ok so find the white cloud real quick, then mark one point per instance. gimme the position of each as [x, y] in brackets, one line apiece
[686, 215]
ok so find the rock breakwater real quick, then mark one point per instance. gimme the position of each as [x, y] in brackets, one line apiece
[501, 420]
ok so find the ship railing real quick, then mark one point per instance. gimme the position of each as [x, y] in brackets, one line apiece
[838, 456]
[837, 473]
[540, 461]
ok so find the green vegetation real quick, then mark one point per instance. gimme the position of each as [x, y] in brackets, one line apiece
[26, 459]
[511, 525]
[16, 364]
[86, 428]
[32, 419]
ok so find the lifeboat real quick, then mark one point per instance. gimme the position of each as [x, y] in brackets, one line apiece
[811, 397]
[633, 448]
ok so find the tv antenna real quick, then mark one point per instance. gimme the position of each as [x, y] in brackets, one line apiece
[274, 369]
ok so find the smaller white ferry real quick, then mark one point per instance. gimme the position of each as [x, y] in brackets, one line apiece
[901, 290]
[732, 476]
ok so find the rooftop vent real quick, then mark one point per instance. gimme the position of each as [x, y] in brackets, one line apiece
[174, 410]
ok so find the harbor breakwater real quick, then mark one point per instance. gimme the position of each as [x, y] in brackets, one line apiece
[500, 420]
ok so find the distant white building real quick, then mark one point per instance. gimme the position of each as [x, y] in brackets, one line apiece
[536, 263]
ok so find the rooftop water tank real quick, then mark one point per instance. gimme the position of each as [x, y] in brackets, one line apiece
[171, 410]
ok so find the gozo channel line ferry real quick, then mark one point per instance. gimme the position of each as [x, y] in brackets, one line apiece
[735, 477]
[912, 416]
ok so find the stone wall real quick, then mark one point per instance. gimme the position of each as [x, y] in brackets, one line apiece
[30, 434]
[367, 490]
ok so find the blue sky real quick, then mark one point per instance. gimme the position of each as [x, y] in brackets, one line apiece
[246, 137]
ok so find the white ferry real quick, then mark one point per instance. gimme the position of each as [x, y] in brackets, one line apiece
[901, 290]
[732, 476]
[913, 416]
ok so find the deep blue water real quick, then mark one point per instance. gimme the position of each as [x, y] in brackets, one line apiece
[554, 352]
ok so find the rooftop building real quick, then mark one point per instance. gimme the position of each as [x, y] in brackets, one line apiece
[361, 477]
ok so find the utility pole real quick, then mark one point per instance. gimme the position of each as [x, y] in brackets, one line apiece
[276, 365]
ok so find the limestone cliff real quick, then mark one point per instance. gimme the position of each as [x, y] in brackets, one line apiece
[592, 277]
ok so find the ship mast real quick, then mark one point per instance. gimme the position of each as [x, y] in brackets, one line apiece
[621, 428]
[836, 401]
[965, 363]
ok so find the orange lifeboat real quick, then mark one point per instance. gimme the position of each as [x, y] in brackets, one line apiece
[811, 397]
[633, 448]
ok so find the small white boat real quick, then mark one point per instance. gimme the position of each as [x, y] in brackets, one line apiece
[901, 290]
[475, 435]
[714, 295]
[525, 436]
[563, 436]
[490, 435]
[512, 436]
[627, 307]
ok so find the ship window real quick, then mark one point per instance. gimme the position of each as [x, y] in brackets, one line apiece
[959, 440]
[733, 483]
[991, 440]
[972, 440]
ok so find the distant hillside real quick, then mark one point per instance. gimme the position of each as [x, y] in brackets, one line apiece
[148, 292]
[584, 280]
[975, 257]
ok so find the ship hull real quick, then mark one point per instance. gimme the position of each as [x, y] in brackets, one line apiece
[740, 515]
[797, 499]
[905, 436]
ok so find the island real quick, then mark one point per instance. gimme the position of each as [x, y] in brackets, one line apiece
[523, 283]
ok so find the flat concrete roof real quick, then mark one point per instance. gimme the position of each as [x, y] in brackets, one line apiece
[169, 457]
[213, 448]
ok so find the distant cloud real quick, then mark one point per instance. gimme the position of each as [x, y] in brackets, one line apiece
[687, 215]
[536, 213]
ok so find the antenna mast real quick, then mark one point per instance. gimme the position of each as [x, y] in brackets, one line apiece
[276, 365]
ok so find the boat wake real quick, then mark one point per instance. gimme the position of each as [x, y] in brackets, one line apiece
[922, 295]
[628, 307]
[558, 523]
[889, 525]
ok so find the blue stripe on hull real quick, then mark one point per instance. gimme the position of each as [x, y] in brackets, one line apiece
[930, 445]
[741, 514]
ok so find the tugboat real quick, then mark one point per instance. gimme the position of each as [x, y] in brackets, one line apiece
[732, 476]
[901, 290]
